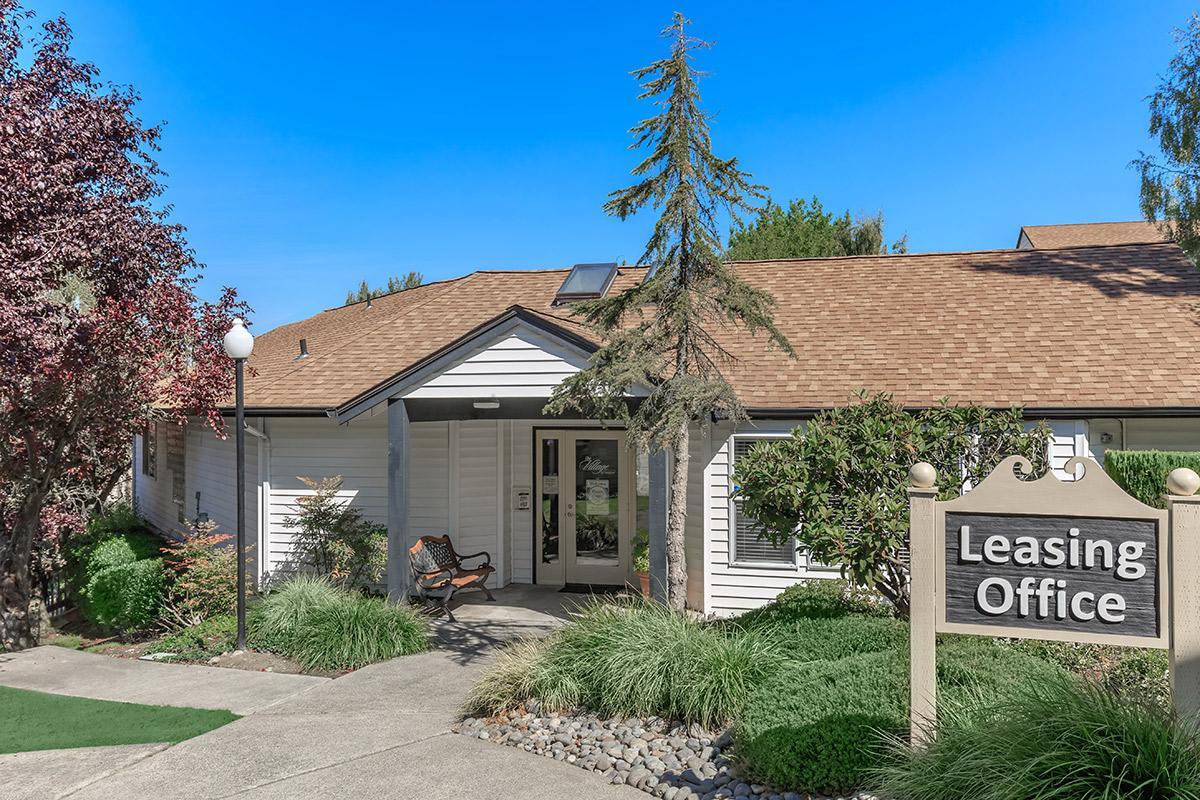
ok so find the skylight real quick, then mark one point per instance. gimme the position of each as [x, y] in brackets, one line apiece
[586, 282]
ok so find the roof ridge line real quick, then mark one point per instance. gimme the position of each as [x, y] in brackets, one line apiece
[936, 253]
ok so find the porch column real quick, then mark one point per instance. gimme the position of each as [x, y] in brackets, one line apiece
[658, 525]
[398, 449]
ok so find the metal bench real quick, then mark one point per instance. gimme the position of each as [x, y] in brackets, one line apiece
[438, 572]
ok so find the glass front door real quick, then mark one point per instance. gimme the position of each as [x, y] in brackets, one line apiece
[586, 507]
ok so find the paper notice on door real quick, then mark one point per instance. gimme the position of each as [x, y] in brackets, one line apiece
[597, 496]
[549, 484]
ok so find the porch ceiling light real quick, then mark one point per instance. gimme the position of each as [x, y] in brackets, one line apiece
[486, 404]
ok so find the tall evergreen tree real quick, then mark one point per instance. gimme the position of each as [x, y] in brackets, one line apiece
[1170, 191]
[665, 333]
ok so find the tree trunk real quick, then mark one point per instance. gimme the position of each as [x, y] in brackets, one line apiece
[16, 631]
[676, 521]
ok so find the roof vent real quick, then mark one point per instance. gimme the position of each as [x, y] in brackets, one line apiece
[303, 349]
[586, 282]
[369, 302]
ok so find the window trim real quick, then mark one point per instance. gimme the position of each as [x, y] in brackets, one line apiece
[150, 450]
[734, 560]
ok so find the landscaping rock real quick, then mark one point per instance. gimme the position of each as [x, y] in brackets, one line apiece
[666, 759]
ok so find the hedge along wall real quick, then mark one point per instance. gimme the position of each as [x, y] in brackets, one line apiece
[1143, 473]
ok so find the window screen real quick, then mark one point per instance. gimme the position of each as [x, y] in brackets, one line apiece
[748, 546]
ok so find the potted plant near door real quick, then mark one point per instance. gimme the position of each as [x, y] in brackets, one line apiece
[641, 559]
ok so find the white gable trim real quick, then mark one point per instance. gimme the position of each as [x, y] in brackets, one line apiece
[519, 363]
[525, 327]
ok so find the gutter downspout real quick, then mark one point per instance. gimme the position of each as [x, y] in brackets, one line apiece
[264, 499]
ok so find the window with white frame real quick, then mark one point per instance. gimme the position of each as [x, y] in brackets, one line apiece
[746, 544]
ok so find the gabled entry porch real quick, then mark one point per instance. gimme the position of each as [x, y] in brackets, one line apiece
[554, 500]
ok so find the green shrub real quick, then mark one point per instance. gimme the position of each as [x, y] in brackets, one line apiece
[820, 726]
[815, 599]
[203, 576]
[122, 549]
[113, 521]
[127, 596]
[1056, 739]
[635, 658]
[1134, 672]
[1143, 473]
[355, 631]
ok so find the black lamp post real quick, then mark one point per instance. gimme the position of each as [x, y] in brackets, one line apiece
[238, 346]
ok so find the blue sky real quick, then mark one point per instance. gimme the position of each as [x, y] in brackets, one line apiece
[310, 145]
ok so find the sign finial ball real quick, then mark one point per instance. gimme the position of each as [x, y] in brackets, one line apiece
[922, 475]
[1183, 482]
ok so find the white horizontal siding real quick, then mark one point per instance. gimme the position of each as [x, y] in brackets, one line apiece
[212, 471]
[321, 448]
[152, 495]
[476, 524]
[429, 480]
[520, 365]
[735, 587]
[521, 529]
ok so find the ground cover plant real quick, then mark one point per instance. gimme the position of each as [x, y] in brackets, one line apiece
[1095, 745]
[820, 725]
[40, 721]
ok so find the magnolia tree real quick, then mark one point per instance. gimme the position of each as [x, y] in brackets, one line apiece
[839, 487]
[100, 327]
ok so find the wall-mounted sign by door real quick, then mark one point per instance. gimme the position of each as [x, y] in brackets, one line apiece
[1074, 561]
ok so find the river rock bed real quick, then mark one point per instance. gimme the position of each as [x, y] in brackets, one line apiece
[665, 759]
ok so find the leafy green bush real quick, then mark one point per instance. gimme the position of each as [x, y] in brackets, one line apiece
[334, 538]
[1055, 739]
[1143, 473]
[354, 631]
[845, 476]
[113, 521]
[127, 596]
[815, 599]
[119, 550]
[819, 726]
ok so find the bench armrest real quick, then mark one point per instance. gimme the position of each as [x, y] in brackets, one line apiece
[487, 558]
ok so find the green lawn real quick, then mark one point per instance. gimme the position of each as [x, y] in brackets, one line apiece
[40, 721]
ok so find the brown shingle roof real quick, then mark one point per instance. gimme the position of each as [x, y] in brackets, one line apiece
[1091, 233]
[1069, 328]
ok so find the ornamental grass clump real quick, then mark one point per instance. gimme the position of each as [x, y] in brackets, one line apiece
[355, 631]
[1058, 739]
[632, 658]
[284, 609]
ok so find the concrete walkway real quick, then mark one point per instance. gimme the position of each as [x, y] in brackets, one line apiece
[127, 680]
[381, 732]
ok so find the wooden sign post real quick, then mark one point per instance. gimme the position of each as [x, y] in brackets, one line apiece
[1073, 561]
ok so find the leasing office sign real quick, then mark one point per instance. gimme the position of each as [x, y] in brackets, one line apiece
[1054, 575]
[1074, 561]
